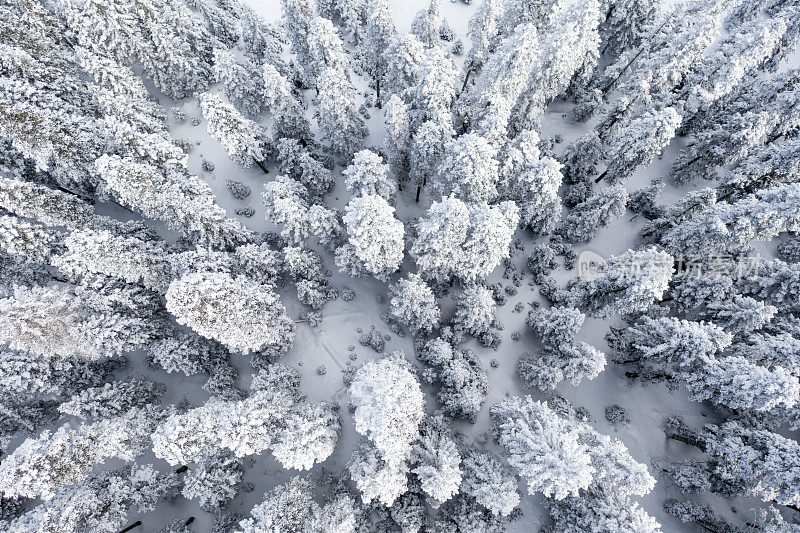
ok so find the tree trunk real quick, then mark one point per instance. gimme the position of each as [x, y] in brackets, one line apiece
[466, 78]
[261, 165]
[601, 176]
[419, 188]
[132, 526]
[181, 469]
[189, 521]
[86, 199]
[378, 91]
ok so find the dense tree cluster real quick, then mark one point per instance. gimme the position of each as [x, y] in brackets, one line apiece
[650, 144]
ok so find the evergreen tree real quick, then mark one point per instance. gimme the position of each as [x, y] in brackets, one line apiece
[731, 227]
[438, 461]
[113, 399]
[597, 514]
[298, 163]
[287, 508]
[76, 321]
[389, 406]
[338, 112]
[475, 313]
[465, 241]
[463, 379]
[379, 33]
[243, 139]
[625, 22]
[105, 500]
[398, 136]
[468, 170]
[631, 283]
[369, 175]
[639, 142]
[425, 25]
[758, 114]
[375, 236]
[39, 467]
[532, 182]
[242, 82]
[413, 304]
[491, 482]
[298, 16]
[543, 447]
[242, 314]
[289, 119]
[214, 481]
[583, 222]
[757, 462]
[127, 258]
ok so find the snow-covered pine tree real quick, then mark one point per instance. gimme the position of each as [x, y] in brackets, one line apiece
[671, 46]
[475, 312]
[469, 170]
[298, 15]
[731, 227]
[532, 182]
[759, 113]
[463, 379]
[124, 257]
[569, 54]
[287, 507]
[594, 513]
[242, 314]
[490, 481]
[639, 142]
[543, 447]
[220, 19]
[375, 236]
[297, 162]
[183, 201]
[69, 321]
[326, 49]
[561, 358]
[631, 282]
[39, 467]
[425, 25]
[624, 23]
[275, 417]
[437, 461]
[389, 405]
[397, 141]
[758, 462]
[106, 498]
[113, 399]
[289, 120]
[214, 481]
[465, 241]
[413, 303]
[588, 217]
[244, 140]
[369, 175]
[338, 118]
[378, 35]
[241, 80]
